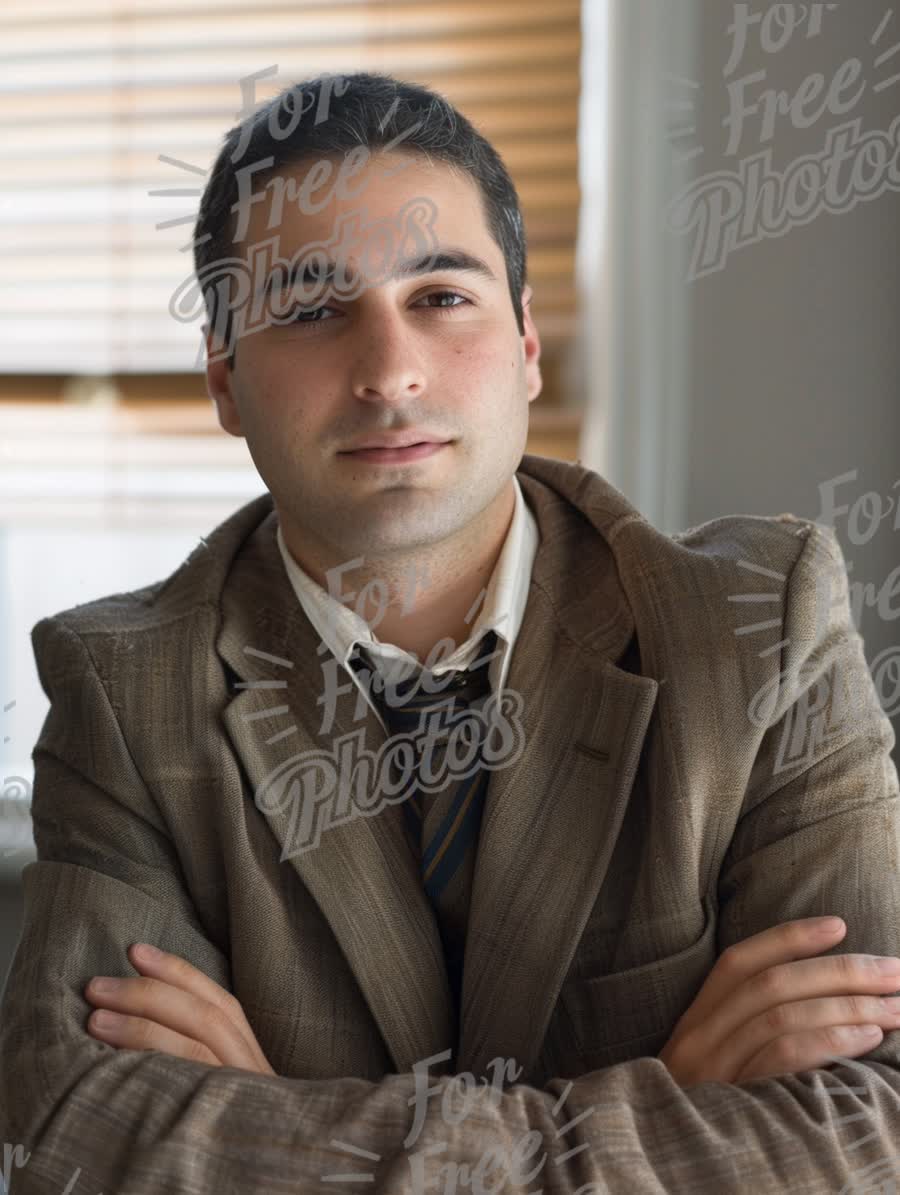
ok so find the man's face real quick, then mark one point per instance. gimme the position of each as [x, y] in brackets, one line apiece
[403, 357]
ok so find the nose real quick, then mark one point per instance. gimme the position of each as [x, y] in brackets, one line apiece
[388, 367]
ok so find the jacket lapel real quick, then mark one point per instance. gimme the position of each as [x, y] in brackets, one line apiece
[361, 873]
[551, 820]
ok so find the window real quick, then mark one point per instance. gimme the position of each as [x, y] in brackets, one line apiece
[104, 99]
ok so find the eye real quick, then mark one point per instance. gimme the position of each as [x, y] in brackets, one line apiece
[447, 294]
[307, 315]
[296, 317]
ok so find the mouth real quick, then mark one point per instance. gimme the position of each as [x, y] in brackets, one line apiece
[397, 456]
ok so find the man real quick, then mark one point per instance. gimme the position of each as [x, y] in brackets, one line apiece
[615, 912]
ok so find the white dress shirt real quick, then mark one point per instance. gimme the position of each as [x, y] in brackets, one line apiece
[342, 629]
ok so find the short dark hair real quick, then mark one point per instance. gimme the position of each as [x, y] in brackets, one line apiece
[356, 109]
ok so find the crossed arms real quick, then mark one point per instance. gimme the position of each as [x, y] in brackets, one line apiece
[134, 1122]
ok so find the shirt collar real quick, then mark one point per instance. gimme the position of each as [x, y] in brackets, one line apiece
[341, 628]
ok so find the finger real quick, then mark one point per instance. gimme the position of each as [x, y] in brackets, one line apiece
[137, 1033]
[804, 979]
[796, 1052]
[722, 1003]
[181, 974]
[779, 944]
[838, 975]
[796, 1017]
[175, 1009]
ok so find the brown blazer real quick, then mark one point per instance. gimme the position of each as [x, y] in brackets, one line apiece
[673, 797]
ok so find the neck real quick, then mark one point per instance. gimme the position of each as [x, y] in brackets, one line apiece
[425, 602]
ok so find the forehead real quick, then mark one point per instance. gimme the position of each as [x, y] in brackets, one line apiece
[307, 202]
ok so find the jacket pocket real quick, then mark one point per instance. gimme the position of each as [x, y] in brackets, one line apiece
[631, 1013]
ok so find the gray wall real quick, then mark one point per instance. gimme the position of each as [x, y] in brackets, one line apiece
[794, 355]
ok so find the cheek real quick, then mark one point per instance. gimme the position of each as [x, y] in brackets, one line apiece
[283, 403]
[482, 365]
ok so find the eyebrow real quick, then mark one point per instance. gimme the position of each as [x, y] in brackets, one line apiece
[408, 267]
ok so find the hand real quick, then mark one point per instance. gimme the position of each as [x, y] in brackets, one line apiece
[177, 1009]
[761, 1013]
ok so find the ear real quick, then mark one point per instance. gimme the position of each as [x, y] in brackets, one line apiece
[532, 345]
[220, 386]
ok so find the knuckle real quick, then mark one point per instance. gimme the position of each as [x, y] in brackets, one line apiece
[729, 960]
[851, 968]
[197, 1052]
[178, 967]
[777, 1018]
[770, 983]
[786, 1051]
[219, 1020]
[152, 987]
[141, 1033]
[859, 1008]
[835, 1037]
[232, 1007]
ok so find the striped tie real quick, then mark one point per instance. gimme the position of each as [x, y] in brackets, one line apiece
[443, 826]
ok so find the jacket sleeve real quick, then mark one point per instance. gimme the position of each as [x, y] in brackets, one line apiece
[820, 836]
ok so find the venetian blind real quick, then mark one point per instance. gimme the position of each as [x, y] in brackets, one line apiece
[102, 100]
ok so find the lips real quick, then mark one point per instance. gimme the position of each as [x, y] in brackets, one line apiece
[387, 456]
